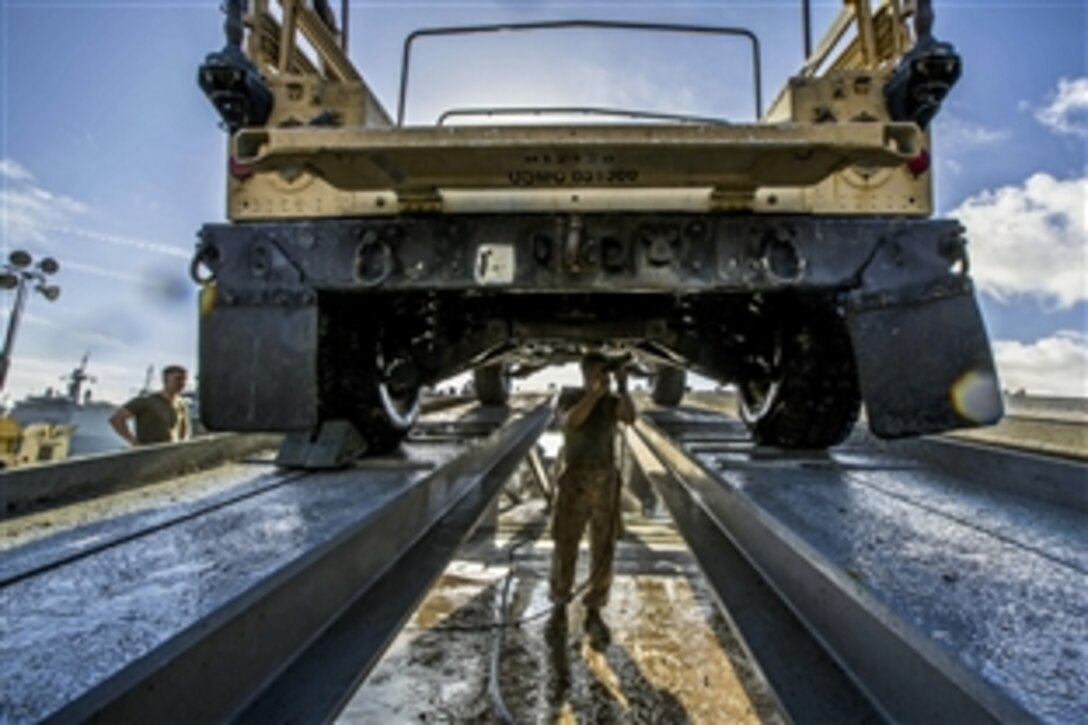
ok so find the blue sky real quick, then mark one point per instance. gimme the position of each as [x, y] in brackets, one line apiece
[111, 159]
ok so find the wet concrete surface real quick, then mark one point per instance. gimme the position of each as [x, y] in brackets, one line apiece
[664, 654]
[1045, 426]
[1055, 437]
[182, 490]
[51, 538]
[1000, 584]
[90, 589]
[996, 582]
[73, 626]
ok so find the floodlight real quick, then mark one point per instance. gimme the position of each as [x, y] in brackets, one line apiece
[49, 265]
[19, 258]
[51, 292]
[9, 280]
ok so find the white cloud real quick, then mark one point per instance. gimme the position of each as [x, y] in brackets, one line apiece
[637, 93]
[536, 84]
[11, 169]
[27, 210]
[957, 134]
[1030, 239]
[1068, 109]
[117, 240]
[1056, 365]
[91, 269]
[82, 335]
[31, 215]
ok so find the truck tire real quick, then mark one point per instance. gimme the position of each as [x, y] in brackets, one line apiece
[354, 388]
[812, 400]
[492, 384]
[668, 387]
[383, 417]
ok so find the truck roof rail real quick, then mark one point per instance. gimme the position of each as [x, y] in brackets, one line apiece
[577, 24]
[576, 111]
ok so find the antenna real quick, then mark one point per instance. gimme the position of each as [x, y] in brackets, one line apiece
[806, 15]
[344, 25]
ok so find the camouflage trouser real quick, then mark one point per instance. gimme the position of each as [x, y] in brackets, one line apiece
[586, 495]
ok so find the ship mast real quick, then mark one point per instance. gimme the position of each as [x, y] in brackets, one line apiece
[148, 377]
[77, 378]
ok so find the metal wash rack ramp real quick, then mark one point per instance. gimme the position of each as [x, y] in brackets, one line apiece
[926, 581]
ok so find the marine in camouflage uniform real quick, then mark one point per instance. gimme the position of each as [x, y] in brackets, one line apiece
[588, 483]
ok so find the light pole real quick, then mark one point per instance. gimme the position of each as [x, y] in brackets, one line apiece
[18, 274]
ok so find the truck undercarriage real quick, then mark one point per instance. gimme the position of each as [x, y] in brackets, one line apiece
[791, 258]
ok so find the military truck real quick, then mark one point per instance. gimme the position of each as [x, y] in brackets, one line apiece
[26, 445]
[793, 257]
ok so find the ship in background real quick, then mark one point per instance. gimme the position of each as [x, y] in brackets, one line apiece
[76, 407]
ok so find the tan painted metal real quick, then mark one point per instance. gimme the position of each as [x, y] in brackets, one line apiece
[306, 88]
[854, 97]
[882, 37]
[826, 146]
[34, 443]
[394, 164]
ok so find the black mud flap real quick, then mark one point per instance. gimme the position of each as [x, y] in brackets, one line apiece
[924, 362]
[258, 367]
